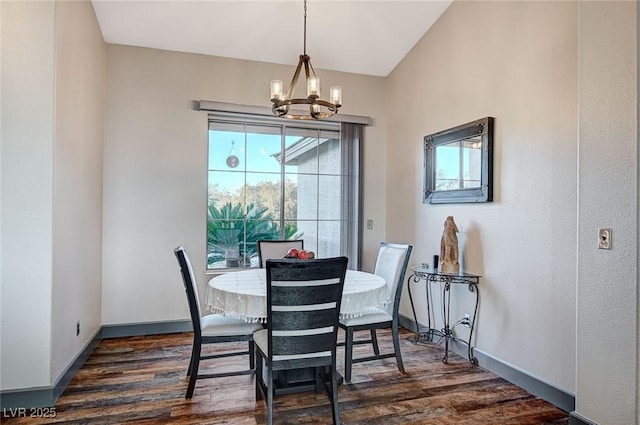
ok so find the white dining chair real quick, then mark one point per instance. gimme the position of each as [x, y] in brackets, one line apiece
[274, 249]
[211, 329]
[391, 264]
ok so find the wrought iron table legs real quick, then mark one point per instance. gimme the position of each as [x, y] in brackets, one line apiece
[447, 332]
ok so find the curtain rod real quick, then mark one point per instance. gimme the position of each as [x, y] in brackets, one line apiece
[213, 106]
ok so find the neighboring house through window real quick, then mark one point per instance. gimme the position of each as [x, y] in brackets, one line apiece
[277, 179]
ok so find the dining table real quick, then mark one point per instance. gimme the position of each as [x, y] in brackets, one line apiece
[243, 294]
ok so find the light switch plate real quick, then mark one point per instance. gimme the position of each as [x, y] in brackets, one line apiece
[604, 238]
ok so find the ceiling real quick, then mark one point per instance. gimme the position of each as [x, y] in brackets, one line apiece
[360, 36]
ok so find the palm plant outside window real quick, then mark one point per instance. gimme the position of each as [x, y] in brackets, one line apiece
[275, 181]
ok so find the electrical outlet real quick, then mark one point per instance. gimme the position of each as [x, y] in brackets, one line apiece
[604, 238]
[77, 328]
[467, 320]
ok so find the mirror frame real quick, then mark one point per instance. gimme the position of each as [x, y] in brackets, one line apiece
[483, 128]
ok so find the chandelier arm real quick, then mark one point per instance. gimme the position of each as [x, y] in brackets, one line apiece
[292, 87]
[282, 109]
[318, 116]
[307, 101]
[306, 66]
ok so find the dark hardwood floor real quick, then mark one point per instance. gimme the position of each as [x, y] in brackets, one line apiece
[142, 380]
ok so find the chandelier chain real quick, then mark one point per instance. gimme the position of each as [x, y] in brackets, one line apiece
[305, 28]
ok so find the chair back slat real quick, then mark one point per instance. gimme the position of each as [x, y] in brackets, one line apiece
[276, 249]
[303, 307]
[300, 320]
[303, 292]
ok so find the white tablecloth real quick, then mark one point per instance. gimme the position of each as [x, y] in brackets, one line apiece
[243, 294]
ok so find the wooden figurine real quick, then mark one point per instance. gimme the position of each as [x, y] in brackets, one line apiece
[449, 247]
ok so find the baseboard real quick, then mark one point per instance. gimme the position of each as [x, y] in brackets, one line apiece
[27, 398]
[149, 328]
[47, 396]
[577, 419]
[75, 366]
[545, 390]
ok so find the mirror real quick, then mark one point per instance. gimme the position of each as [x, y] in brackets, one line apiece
[458, 164]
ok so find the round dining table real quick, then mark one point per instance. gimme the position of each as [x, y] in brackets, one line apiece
[243, 294]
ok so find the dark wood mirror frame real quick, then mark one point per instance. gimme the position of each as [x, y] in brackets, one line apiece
[481, 130]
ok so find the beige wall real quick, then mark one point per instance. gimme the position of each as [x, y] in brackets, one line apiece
[155, 169]
[52, 115]
[561, 79]
[77, 180]
[607, 294]
[27, 192]
[517, 62]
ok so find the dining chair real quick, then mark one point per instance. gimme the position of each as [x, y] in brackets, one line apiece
[303, 307]
[391, 264]
[275, 249]
[211, 329]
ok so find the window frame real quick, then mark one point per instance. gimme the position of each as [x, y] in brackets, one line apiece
[350, 216]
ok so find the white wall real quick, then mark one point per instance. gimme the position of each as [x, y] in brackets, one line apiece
[52, 114]
[77, 180]
[155, 169]
[517, 62]
[27, 192]
[607, 292]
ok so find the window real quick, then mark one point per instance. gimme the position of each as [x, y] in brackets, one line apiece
[268, 179]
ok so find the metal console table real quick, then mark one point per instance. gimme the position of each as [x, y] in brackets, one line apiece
[446, 333]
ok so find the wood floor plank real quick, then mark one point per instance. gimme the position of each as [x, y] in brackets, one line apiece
[142, 380]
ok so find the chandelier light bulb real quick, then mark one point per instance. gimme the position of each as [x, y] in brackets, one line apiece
[335, 95]
[277, 89]
[313, 86]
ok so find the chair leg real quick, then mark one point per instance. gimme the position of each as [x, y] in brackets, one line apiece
[252, 355]
[193, 353]
[374, 341]
[269, 396]
[195, 359]
[334, 397]
[258, 379]
[318, 374]
[396, 347]
[348, 354]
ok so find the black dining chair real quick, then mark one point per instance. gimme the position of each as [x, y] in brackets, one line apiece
[274, 249]
[211, 329]
[303, 307]
[391, 264]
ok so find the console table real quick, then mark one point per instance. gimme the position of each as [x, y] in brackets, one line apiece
[423, 273]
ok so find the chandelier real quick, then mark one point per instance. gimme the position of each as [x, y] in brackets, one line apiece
[318, 108]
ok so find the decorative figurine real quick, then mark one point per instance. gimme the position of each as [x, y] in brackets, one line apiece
[449, 247]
